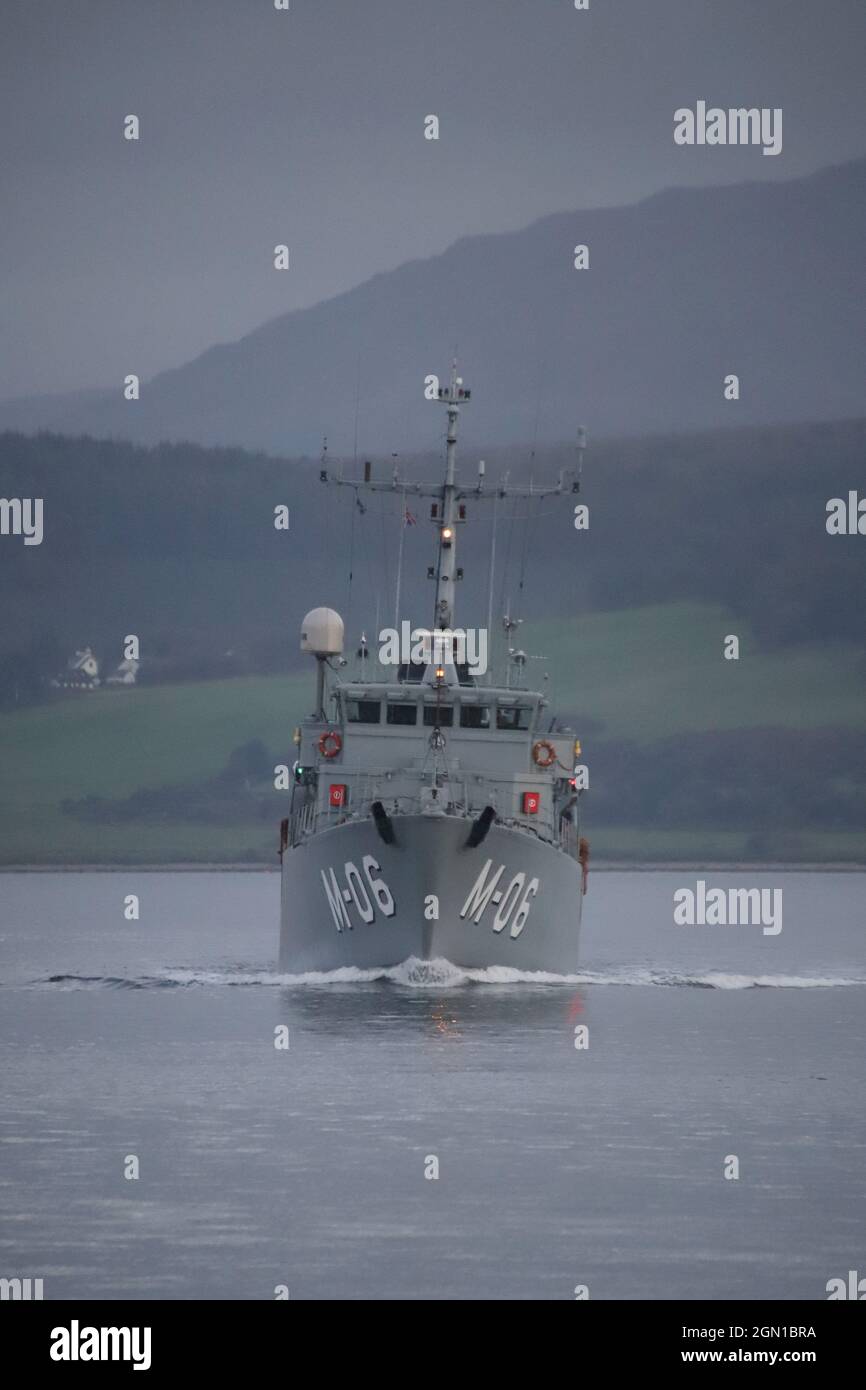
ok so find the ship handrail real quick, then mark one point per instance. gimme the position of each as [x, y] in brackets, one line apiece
[368, 789]
[569, 837]
[302, 823]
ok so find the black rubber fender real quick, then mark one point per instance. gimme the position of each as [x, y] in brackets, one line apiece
[480, 827]
[383, 822]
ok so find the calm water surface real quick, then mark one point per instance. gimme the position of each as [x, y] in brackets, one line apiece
[306, 1167]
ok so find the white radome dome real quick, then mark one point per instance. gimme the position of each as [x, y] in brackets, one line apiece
[322, 632]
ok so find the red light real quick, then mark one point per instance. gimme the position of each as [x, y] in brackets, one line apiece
[531, 803]
[337, 795]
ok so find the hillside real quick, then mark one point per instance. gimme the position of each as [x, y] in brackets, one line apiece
[699, 758]
[691, 538]
[765, 280]
[177, 545]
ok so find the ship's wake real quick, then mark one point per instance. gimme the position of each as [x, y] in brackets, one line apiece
[414, 974]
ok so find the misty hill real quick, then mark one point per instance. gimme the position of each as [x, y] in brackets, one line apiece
[766, 280]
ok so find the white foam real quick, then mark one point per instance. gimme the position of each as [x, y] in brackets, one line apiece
[439, 973]
[414, 973]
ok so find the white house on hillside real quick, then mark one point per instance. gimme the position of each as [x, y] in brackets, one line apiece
[126, 673]
[82, 672]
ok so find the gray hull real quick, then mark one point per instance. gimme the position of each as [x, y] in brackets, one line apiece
[348, 899]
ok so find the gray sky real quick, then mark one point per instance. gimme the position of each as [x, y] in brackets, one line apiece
[306, 127]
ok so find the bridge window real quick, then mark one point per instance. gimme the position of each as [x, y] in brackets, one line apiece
[514, 717]
[402, 714]
[475, 716]
[444, 716]
[363, 711]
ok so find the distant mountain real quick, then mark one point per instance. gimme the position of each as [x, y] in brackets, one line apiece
[765, 280]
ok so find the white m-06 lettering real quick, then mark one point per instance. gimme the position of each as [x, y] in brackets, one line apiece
[378, 887]
[359, 894]
[479, 894]
[509, 901]
[522, 912]
[335, 901]
[356, 892]
[483, 892]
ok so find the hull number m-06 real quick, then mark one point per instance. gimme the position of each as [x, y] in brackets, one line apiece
[485, 891]
[362, 891]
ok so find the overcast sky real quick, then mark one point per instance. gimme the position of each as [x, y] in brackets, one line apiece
[306, 127]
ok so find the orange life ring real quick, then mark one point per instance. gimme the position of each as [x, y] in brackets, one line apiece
[543, 753]
[330, 743]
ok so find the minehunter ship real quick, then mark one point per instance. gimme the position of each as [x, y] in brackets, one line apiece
[435, 812]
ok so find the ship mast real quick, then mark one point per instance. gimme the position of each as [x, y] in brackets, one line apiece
[448, 511]
[446, 568]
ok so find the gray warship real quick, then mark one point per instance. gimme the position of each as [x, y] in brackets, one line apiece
[435, 811]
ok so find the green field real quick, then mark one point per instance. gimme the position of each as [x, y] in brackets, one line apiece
[643, 674]
[110, 743]
[649, 673]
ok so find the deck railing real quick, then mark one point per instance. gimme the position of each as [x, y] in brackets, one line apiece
[374, 787]
[302, 823]
[569, 837]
